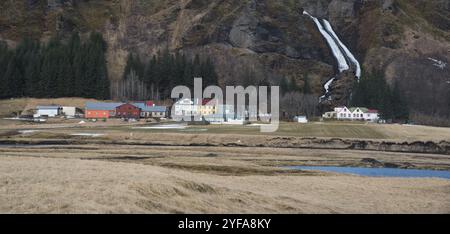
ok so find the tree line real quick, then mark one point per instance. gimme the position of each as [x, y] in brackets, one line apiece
[289, 86]
[373, 91]
[297, 100]
[155, 78]
[69, 68]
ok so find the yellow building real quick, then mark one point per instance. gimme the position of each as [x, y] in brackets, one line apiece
[208, 107]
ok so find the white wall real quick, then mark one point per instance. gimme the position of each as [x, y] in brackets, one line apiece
[69, 110]
[46, 112]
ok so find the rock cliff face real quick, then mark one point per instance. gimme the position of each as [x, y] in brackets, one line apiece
[407, 40]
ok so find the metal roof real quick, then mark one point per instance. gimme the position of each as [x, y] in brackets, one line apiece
[146, 108]
[102, 105]
[48, 107]
[114, 105]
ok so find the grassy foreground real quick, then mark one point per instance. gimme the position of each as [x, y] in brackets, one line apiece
[133, 179]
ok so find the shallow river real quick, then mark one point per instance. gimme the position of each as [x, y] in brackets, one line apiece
[379, 172]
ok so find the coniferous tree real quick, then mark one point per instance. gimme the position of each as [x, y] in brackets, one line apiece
[55, 69]
[11, 80]
[306, 85]
[372, 91]
[293, 86]
[188, 75]
[164, 71]
[399, 105]
[248, 78]
[448, 103]
[284, 86]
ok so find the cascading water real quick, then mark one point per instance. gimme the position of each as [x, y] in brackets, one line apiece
[349, 54]
[327, 88]
[338, 49]
[340, 58]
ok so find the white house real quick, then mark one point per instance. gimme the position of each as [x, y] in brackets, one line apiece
[353, 113]
[301, 119]
[150, 110]
[185, 107]
[48, 111]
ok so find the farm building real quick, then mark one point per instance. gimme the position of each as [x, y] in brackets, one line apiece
[71, 111]
[128, 111]
[185, 107]
[48, 111]
[151, 111]
[353, 113]
[103, 110]
[100, 110]
[193, 107]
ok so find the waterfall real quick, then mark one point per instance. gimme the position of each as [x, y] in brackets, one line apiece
[327, 88]
[338, 48]
[340, 58]
[349, 54]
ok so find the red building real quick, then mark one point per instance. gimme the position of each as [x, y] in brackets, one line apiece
[128, 111]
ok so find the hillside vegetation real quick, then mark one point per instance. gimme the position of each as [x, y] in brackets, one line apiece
[14, 106]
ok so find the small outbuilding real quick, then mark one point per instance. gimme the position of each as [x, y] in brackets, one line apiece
[48, 111]
[301, 119]
[71, 111]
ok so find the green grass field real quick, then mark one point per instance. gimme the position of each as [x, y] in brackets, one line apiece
[317, 129]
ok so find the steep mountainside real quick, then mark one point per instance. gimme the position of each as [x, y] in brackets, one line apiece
[408, 41]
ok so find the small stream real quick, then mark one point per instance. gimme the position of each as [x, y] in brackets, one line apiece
[379, 172]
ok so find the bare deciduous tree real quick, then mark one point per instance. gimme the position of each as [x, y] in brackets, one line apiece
[132, 88]
[294, 103]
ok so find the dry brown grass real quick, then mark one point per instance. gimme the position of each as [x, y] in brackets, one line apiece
[42, 185]
[138, 179]
[19, 105]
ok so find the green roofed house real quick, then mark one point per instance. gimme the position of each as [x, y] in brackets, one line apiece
[353, 113]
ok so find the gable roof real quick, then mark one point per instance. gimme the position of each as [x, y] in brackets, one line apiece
[128, 104]
[146, 108]
[353, 109]
[184, 101]
[363, 109]
[155, 109]
[102, 105]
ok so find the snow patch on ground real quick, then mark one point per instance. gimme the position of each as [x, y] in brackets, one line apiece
[27, 131]
[438, 63]
[165, 126]
[88, 134]
[195, 130]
